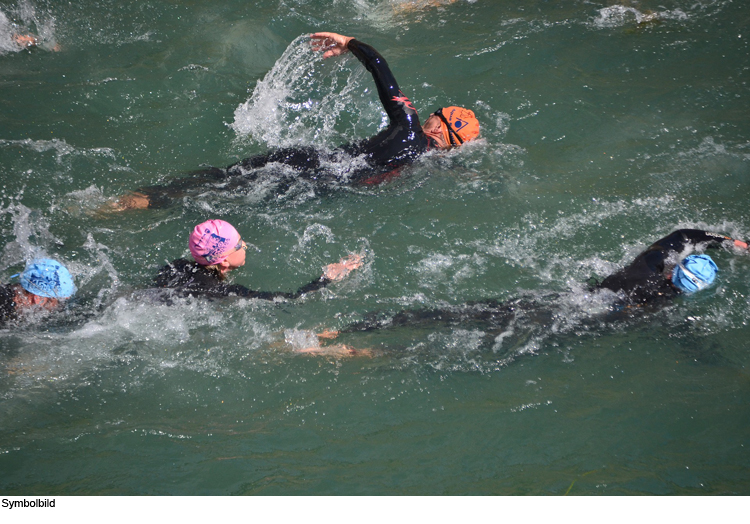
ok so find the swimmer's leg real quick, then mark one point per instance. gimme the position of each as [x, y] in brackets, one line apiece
[162, 195]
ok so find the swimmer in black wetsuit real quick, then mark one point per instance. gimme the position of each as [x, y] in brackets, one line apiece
[661, 272]
[44, 285]
[402, 142]
[217, 249]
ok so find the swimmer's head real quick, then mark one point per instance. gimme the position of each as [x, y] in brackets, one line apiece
[694, 273]
[215, 242]
[47, 278]
[452, 126]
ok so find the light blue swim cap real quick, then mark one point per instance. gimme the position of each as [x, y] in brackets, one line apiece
[47, 278]
[694, 273]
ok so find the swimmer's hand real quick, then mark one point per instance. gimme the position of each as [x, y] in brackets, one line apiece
[328, 334]
[342, 268]
[741, 244]
[334, 43]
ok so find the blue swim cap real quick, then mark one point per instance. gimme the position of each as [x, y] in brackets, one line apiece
[47, 278]
[694, 273]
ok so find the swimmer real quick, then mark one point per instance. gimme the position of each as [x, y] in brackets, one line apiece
[217, 249]
[662, 272]
[401, 143]
[44, 285]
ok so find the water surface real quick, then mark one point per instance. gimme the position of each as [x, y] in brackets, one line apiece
[605, 126]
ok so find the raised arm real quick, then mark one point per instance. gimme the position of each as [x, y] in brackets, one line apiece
[398, 107]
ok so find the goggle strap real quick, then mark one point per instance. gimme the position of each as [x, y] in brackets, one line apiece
[451, 132]
[697, 281]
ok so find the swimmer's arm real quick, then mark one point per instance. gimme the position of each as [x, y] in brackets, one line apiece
[393, 100]
[242, 291]
[680, 239]
[332, 273]
[396, 105]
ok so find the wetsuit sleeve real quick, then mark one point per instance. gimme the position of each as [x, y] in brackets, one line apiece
[680, 239]
[271, 295]
[398, 107]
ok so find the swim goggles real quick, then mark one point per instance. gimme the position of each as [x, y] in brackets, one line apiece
[700, 283]
[240, 245]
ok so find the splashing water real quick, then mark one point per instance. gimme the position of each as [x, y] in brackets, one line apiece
[619, 15]
[25, 20]
[32, 236]
[303, 99]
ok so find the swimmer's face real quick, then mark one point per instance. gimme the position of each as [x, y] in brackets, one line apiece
[433, 129]
[432, 123]
[26, 301]
[237, 259]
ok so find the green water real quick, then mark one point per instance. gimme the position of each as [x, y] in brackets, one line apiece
[605, 126]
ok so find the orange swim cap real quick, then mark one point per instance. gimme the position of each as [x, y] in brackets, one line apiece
[464, 126]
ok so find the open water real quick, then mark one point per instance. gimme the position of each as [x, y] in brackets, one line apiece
[606, 125]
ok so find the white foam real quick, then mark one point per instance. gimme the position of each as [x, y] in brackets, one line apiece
[33, 238]
[301, 99]
[619, 15]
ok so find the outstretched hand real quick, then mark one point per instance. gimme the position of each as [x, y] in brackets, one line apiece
[741, 244]
[334, 43]
[342, 268]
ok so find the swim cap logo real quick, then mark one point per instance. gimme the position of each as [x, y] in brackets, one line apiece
[458, 124]
[216, 246]
[49, 282]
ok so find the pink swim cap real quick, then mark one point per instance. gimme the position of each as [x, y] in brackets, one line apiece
[213, 241]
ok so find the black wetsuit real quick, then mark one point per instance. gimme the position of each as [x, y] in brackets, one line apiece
[642, 282]
[8, 311]
[402, 142]
[645, 279]
[189, 278]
